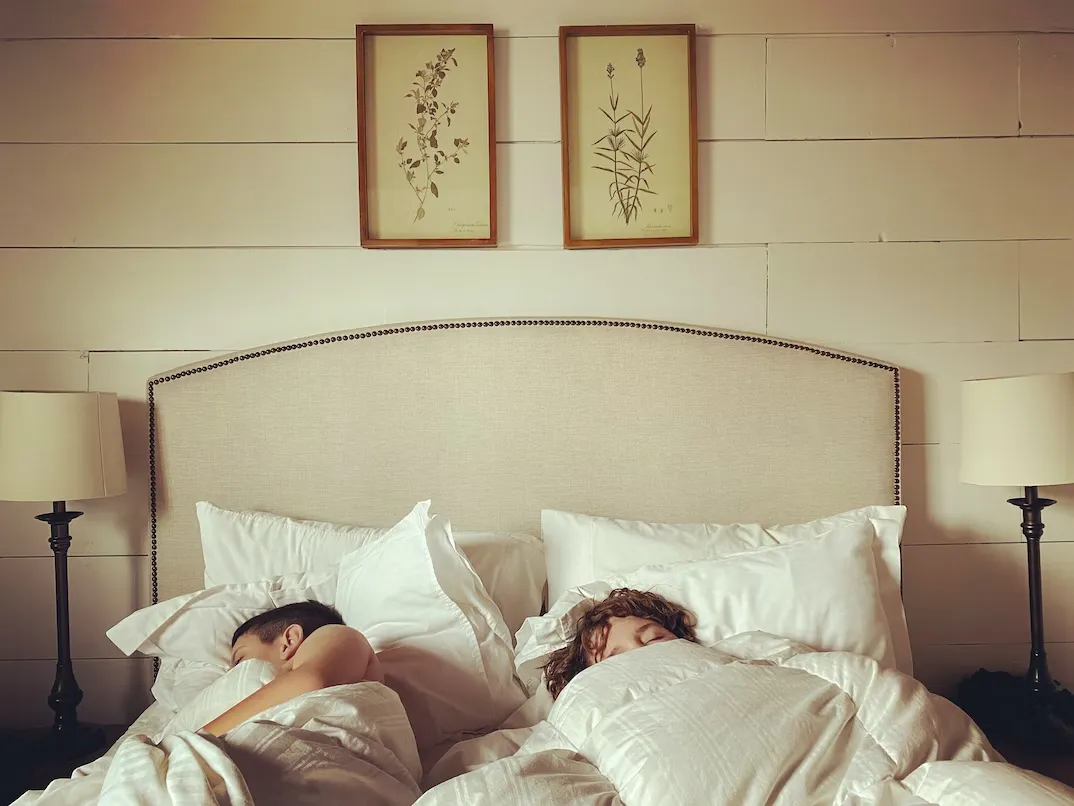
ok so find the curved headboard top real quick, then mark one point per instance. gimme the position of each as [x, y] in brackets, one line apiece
[497, 419]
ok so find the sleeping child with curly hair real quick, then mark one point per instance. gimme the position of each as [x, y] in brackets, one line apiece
[627, 619]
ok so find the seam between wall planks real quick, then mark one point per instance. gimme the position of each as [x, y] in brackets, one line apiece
[505, 36]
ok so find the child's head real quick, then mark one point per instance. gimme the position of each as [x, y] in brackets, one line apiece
[627, 619]
[276, 634]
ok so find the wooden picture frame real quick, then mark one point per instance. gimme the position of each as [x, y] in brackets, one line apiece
[614, 191]
[426, 135]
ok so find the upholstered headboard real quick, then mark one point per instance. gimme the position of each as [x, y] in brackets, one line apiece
[496, 419]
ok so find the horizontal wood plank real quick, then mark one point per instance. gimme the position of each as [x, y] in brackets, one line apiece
[103, 590]
[336, 18]
[751, 193]
[527, 90]
[932, 375]
[116, 691]
[1047, 290]
[177, 91]
[51, 371]
[942, 510]
[228, 299]
[722, 287]
[731, 95]
[888, 190]
[892, 86]
[893, 292]
[979, 594]
[530, 195]
[175, 195]
[117, 526]
[1047, 84]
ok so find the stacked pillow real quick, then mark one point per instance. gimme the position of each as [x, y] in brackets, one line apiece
[833, 584]
[250, 546]
[442, 641]
[434, 608]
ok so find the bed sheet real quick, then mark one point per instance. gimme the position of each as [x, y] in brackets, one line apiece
[339, 745]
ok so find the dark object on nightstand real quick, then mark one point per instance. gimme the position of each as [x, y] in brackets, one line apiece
[31, 759]
[1010, 711]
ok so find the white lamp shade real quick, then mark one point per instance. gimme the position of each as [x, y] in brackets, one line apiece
[1018, 432]
[60, 446]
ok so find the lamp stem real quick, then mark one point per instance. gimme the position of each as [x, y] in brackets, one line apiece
[1038, 676]
[65, 695]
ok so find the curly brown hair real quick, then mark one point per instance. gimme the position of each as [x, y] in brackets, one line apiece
[591, 631]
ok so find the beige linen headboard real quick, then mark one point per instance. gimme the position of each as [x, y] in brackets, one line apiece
[496, 419]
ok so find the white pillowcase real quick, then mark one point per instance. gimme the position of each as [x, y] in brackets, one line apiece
[250, 546]
[822, 593]
[441, 641]
[583, 548]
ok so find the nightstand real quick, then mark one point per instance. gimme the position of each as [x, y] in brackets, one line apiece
[1058, 765]
[31, 759]
[1029, 729]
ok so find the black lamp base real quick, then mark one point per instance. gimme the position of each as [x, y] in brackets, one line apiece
[1010, 711]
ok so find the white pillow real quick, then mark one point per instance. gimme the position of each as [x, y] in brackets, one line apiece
[822, 593]
[250, 546]
[441, 641]
[583, 548]
[226, 691]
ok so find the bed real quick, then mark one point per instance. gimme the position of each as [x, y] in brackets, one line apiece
[500, 422]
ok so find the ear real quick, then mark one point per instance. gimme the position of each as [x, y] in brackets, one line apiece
[292, 639]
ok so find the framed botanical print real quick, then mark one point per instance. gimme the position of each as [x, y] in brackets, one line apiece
[628, 98]
[426, 135]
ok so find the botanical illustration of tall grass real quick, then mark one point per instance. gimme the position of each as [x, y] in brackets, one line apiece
[623, 148]
[432, 114]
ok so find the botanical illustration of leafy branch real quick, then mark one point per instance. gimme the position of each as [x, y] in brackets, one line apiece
[623, 148]
[432, 114]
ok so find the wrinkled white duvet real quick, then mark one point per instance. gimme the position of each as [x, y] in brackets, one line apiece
[342, 745]
[681, 724]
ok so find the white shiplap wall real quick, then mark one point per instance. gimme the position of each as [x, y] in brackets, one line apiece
[892, 177]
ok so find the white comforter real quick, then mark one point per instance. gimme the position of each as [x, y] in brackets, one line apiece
[681, 724]
[343, 745]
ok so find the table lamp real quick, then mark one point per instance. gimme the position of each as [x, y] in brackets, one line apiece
[59, 447]
[1019, 432]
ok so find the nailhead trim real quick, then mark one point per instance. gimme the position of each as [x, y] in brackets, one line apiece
[153, 504]
[392, 331]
